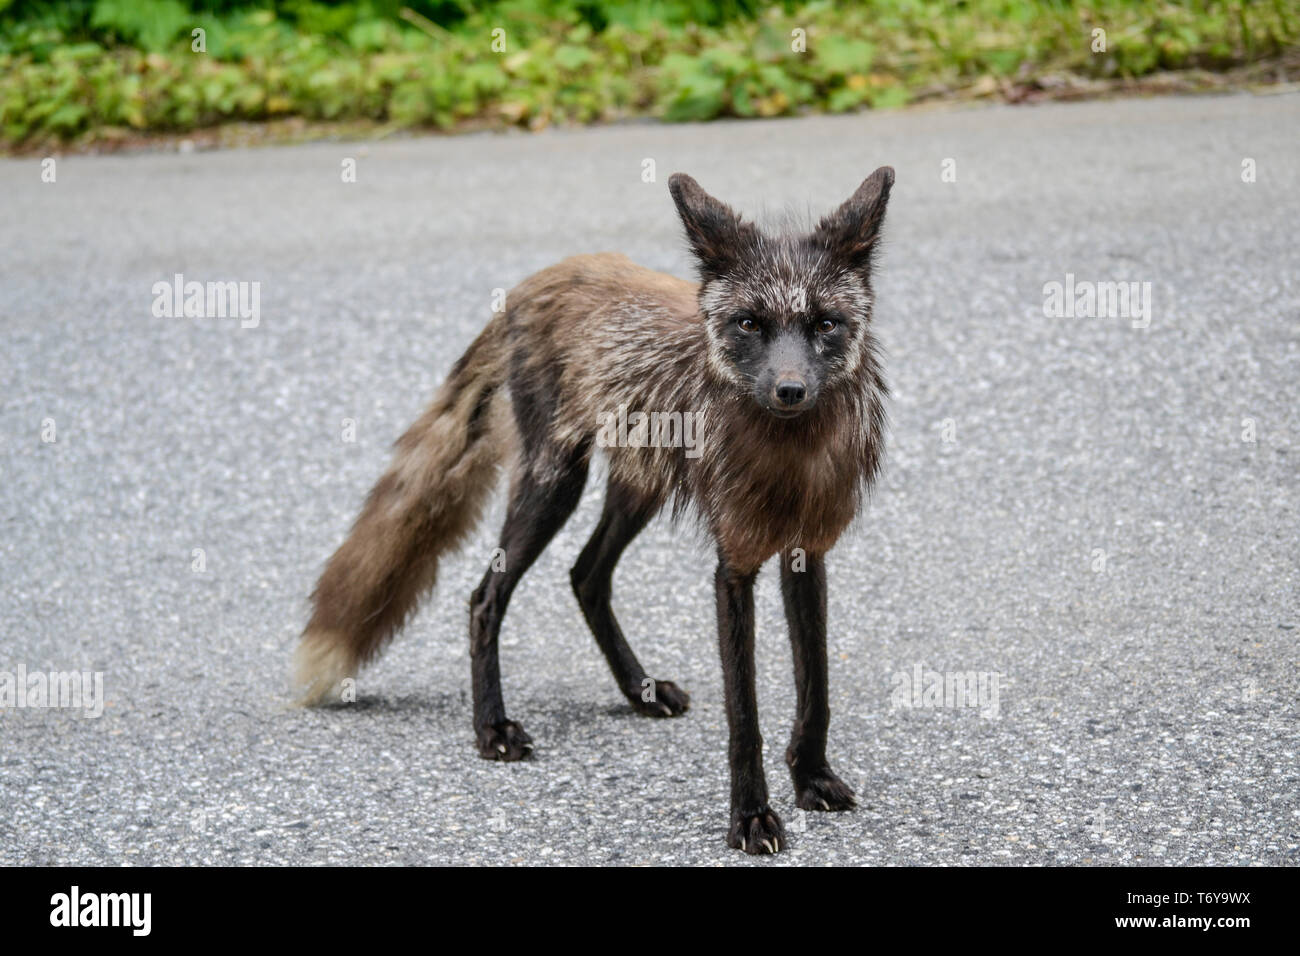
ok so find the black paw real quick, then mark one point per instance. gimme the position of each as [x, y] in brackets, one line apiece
[503, 741]
[669, 699]
[822, 790]
[756, 833]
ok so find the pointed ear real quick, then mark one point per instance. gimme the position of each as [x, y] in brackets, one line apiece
[718, 237]
[850, 232]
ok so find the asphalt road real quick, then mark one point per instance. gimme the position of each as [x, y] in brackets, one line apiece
[1070, 504]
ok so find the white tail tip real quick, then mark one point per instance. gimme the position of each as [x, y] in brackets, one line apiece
[322, 663]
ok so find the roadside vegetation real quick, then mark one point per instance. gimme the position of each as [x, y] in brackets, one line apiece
[99, 71]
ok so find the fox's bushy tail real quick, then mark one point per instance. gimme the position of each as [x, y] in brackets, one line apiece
[430, 498]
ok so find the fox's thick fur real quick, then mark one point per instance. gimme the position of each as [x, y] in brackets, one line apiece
[575, 342]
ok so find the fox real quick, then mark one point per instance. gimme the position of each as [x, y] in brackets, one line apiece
[771, 349]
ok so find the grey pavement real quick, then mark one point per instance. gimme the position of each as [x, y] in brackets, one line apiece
[1071, 507]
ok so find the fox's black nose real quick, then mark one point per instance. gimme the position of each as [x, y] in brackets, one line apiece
[790, 392]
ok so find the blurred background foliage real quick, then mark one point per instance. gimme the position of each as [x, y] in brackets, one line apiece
[99, 70]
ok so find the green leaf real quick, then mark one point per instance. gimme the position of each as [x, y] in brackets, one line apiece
[843, 56]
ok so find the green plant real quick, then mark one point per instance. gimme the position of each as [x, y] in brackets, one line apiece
[86, 68]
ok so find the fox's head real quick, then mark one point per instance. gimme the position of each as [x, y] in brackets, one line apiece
[786, 315]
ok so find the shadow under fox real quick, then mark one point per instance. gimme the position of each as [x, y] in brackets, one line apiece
[771, 351]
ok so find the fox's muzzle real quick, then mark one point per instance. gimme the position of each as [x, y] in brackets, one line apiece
[788, 387]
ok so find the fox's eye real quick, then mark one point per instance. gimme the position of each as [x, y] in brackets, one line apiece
[747, 324]
[826, 326]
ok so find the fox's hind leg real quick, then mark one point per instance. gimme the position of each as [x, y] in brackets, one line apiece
[623, 518]
[537, 509]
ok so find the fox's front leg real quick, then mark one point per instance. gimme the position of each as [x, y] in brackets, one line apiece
[755, 828]
[803, 585]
